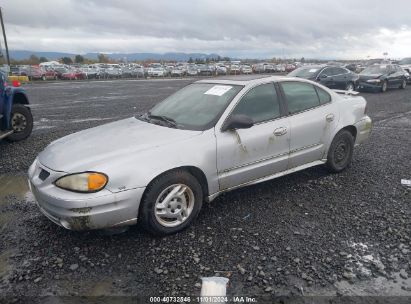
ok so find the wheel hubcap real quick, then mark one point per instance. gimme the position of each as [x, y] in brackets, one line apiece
[18, 122]
[341, 152]
[174, 205]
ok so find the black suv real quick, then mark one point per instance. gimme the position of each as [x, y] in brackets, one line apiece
[330, 76]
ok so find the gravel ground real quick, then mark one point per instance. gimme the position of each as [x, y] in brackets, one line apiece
[310, 233]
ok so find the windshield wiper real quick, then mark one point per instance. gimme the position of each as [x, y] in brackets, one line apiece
[171, 122]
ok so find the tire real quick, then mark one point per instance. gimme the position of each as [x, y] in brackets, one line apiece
[21, 122]
[340, 152]
[384, 86]
[403, 84]
[152, 219]
[349, 86]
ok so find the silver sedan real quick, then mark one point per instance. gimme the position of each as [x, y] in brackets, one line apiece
[210, 137]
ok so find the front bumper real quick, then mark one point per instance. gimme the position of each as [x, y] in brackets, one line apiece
[82, 211]
[363, 127]
[362, 85]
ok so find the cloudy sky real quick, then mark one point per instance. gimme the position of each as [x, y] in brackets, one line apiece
[242, 28]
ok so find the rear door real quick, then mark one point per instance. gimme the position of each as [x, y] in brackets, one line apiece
[313, 117]
[341, 78]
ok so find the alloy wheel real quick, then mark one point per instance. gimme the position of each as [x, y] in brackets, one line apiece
[174, 205]
[18, 122]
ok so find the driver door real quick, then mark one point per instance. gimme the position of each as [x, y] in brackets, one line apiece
[245, 155]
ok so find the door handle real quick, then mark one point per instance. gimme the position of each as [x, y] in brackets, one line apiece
[280, 131]
[329, 117]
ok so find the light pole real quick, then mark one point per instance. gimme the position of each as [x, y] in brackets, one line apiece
[4, 37]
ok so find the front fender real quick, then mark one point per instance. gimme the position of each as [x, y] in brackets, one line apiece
[8, 100]
[139, 170]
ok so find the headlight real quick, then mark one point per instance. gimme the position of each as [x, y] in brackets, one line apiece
[86, 182]
[374, 80]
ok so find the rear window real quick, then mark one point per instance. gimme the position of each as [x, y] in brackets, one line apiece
[323, 95]
[299, 96]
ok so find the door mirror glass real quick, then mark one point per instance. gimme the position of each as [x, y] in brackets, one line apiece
[237, 121]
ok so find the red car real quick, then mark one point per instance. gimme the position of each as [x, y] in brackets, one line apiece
[73, 75]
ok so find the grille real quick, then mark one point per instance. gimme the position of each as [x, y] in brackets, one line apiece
[44, 174]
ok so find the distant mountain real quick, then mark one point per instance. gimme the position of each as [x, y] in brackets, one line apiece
[20, 55]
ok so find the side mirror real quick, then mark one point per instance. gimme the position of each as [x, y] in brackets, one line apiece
[324, 75]
[237, 121]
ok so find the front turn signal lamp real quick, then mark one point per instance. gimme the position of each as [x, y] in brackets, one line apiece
[86, 182]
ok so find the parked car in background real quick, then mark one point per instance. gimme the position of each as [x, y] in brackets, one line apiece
[177, 72]
[192, 70]
[380, 77]
[204, 70]
[259, 68]
[333, 77]
[406, 65]
[221, 69]
[73, 74]
[208, 138]
[159, 72]
[290, 67]
[235, 69]
[246, 69]
[35, 73]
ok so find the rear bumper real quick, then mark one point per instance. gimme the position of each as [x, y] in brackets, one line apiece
[363, 127]
[80, 211]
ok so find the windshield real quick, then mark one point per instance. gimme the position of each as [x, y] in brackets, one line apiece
[305, 72]
[195, 107]
[375, 69]
[405, 61]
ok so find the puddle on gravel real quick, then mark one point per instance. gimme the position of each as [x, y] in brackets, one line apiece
[15, 185]
[379, 286]
[4, 263]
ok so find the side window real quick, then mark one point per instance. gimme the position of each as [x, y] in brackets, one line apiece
[323, 95]
[327, 71]
[340, 71]
[300, 96]
[260, 103]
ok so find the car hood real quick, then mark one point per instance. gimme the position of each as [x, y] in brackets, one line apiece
[88, 149]
[369, 76]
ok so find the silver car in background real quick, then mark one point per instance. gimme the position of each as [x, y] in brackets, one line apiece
[210, 137]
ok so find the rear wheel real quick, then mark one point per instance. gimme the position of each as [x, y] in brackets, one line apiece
[21, 122]
[403, 84]
[171, 203]
[341, 151]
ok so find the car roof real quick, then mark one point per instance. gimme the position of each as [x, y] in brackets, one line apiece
[248, 79]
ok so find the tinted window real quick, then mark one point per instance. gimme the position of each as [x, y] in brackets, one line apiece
[340, 71]
[300, 96]
[260, 103]
[323, 95]
[328, 72]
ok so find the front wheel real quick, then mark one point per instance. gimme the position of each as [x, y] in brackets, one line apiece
[350, 87]
[341, 151]
[21, 122]
[171, 203]
[403, 84]
[384, 86]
